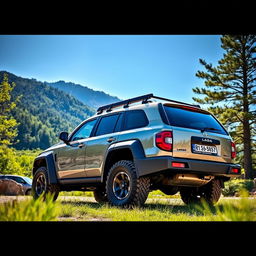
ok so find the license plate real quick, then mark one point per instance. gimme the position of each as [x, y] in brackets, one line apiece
[204, 149]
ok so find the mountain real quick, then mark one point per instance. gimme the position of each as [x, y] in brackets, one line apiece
[43, 112]
[86, 95]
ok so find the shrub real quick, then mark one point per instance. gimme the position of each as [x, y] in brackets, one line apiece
[232, 187]
[18, 162]
[30, 210]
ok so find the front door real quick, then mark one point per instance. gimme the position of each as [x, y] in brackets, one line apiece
[71, 158]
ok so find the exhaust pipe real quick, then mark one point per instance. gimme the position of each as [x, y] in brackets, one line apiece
[191, 180]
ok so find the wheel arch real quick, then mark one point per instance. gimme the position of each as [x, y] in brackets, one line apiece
[47, 160]
[127, 150]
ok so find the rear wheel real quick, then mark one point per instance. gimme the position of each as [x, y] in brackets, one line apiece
[210, 192]
[41, 185]
[123, 188]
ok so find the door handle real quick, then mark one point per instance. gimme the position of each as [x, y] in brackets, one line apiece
[81, 145]
[111, 139]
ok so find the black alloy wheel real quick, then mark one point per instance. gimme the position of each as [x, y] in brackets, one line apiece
[41, 185]
[121, 185]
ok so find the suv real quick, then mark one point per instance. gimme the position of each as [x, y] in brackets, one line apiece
[132, 147]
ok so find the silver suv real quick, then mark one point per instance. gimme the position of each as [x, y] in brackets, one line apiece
[132, 147]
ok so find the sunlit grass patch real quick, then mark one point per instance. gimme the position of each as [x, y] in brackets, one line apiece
[30, 210]
[242, 209]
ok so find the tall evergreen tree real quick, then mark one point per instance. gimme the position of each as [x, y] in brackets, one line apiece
[8, 129]
[230, 89]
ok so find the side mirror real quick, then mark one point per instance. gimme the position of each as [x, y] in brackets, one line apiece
[64, 137]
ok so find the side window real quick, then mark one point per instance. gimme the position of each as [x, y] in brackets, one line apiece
[107, 125]
[18, 179]
[135, 119]
[119, 123]
[85, 131]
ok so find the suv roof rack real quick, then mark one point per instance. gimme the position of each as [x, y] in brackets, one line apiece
[143, 98]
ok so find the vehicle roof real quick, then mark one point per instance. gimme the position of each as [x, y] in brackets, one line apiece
[12, 175]
[132, 106]
[149, 104]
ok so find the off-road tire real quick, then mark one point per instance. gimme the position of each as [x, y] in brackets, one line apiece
[40, 176]
[100, 194]
[138, 188]
[210, 192]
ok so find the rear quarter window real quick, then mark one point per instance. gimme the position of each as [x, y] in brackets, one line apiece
[135, 119]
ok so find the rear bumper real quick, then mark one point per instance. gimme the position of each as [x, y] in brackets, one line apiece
[157, 164]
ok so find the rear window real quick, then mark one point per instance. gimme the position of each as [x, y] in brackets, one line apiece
[194, 120]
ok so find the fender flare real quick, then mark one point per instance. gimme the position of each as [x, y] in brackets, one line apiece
[134, 146]
[48, 159]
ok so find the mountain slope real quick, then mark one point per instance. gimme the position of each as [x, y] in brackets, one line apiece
[43, 112]
[86, 95]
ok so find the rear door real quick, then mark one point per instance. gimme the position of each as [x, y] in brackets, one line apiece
[105, 134]
[198, 135]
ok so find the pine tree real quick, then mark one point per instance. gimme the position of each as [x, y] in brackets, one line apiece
[230, 89]
[8, 124]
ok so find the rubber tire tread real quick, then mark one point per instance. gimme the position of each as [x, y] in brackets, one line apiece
[100, 195]
[210, 192]
[213, 191]
[50, 188]
[139, 187]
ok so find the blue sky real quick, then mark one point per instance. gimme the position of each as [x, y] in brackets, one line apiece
[121, 65]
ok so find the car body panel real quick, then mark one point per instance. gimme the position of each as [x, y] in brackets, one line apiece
[70, 160]
[182, 144]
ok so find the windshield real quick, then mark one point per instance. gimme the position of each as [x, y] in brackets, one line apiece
[194, 120]
[28, 180]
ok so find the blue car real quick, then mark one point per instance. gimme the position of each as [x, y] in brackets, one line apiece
[24, 181]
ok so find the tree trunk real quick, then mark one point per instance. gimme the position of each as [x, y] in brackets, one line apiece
[247, 151]
[246, 125]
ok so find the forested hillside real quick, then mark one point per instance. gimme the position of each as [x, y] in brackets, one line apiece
[43, 111]
[86, 95]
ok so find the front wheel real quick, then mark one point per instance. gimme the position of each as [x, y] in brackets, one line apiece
[123, 188]
[41, 185]
[100, 194]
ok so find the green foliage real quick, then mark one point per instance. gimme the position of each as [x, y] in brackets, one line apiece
[43, 112]
[242, 209]
[30, 210]
[230, 92]
[18, 162]
[8, 124]
[232, 187]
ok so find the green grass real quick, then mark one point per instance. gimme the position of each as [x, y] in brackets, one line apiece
[243, 209]
[156, 208]
[30, 210]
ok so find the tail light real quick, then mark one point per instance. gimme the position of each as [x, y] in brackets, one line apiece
[233, 150]
[179, 165]
[235, 170]
[164, 140]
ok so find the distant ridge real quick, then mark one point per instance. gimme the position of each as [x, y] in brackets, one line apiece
[86, 95]
[43, 112]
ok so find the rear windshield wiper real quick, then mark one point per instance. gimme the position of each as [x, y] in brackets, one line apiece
[209, 129]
